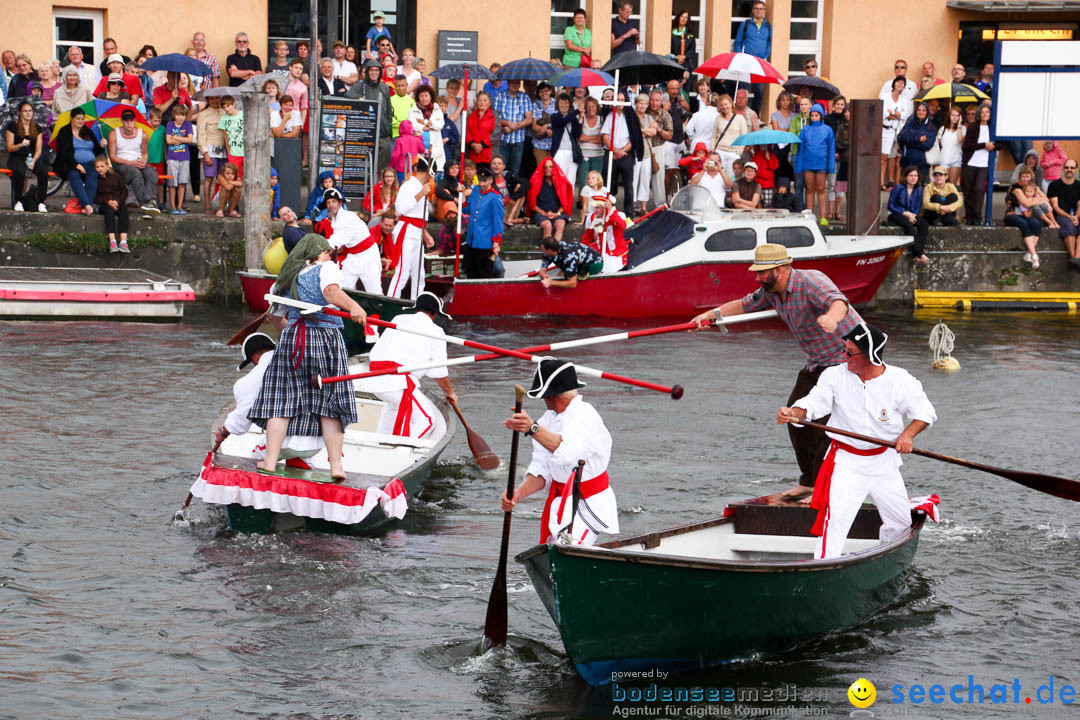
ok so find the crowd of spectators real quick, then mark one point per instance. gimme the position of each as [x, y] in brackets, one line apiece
[687, 130]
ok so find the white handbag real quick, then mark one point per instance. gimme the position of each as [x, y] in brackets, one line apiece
[933, 155]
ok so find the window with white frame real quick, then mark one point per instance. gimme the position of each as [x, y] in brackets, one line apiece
[740, 12]
[81, 28]
[806, 23]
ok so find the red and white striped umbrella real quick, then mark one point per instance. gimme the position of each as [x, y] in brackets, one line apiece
[740, 66]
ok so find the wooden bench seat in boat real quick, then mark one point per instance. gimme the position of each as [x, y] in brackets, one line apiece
[789, 544]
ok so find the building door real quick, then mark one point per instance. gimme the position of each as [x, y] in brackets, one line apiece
[81, 28]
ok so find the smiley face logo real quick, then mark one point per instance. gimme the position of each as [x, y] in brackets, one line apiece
[862, 693]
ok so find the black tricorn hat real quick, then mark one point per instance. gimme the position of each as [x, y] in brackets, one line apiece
[870, 339]
[553, 377]
[254, 344]
[332, 192]
[429, 302]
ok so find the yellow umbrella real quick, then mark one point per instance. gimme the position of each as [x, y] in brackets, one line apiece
[956, 92]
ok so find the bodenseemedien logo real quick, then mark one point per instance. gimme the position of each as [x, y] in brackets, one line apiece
[862, 695]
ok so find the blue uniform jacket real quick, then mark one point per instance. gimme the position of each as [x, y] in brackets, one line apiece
[754, 40]
[485, 219]
[817, 145]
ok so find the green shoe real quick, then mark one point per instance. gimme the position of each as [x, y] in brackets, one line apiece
[824, 222]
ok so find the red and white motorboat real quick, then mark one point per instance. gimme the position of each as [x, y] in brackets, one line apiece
[686, 259]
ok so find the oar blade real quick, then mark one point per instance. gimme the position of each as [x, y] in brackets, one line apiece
[1049, 484]
[496, 622]
[247, 329]
[483, 454]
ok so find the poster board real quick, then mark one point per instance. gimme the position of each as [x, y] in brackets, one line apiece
[348, 143]
[1036, 90]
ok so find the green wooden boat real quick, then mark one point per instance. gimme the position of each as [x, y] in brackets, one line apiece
[728, 589]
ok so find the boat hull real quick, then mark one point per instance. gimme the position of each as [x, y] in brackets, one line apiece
[128, 294]
[676, 614]
[671, 292]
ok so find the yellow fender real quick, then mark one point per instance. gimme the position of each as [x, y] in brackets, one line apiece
[275, 255]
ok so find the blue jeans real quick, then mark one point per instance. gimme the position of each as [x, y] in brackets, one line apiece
[1028, 225]
[512, 154]
[1018, 148]
[84, 187]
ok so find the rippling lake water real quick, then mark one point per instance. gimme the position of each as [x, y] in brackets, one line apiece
[108, 610]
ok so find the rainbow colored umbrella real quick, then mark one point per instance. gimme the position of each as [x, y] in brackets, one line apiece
[102, 116]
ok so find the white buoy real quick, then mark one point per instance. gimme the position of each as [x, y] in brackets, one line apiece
[942, 342]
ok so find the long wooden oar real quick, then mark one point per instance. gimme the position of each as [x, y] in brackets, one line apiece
[551, 347]
[248, 329]
[179, 514]
[495, 622]
[675, 391]
[1057, 486]
[481, 451]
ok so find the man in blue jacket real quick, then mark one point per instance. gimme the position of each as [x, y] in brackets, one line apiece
[755, 38]
[484, 238]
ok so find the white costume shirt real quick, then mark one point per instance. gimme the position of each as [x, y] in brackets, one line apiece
[911, 89]
[407, 349]
[245, 391]
[584, 436]
[877, 408]
[349, 230]
[406, 204]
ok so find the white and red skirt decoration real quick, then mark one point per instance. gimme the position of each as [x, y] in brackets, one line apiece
[303, 498]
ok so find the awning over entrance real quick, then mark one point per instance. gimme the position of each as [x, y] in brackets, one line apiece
[1014, 6]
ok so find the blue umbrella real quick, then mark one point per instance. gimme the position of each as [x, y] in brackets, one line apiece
[582, 77]
[175, 62]
[456, 71]
[526, 69]
[766, 137]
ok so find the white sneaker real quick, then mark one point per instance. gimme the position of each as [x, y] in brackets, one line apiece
[1027, 257]
[150, 209]
[41, 208]
[1035, 261]
[18, 207]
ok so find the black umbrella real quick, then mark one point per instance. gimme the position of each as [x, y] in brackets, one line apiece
[643, 68]
[819, 89]
[456, 71]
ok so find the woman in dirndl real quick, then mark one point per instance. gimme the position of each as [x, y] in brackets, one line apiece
[310, 345]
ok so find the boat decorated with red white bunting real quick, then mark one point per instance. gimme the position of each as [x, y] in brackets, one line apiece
[382, 473]
[688, 258]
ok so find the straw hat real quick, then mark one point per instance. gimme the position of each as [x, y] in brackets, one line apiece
[769, 256]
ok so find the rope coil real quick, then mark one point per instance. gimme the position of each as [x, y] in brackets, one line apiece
[942, 341]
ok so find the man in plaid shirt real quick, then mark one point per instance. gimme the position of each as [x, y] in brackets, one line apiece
[513, 110]
[818, 315]
[198, 41]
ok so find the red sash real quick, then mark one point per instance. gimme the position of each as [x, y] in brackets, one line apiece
[399, 241]
[404, 413]
[565, 490]
[371, 241]
[820, 499]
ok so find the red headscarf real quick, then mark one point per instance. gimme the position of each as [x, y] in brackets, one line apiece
[563, 188]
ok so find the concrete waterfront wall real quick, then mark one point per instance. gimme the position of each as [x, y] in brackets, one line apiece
[206, 252]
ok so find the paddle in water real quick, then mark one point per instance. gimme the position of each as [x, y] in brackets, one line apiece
[481, 451]
[248, 329]
[495, 623]
[1049, 484]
